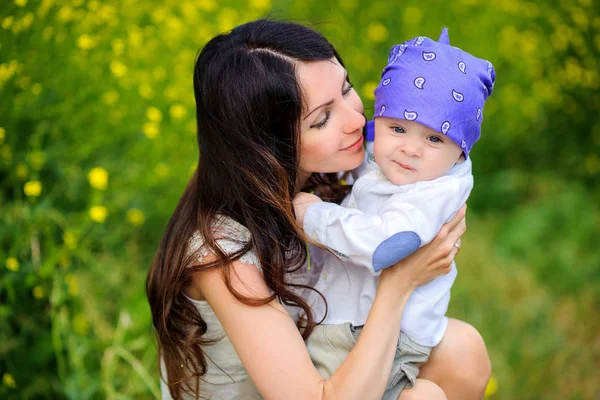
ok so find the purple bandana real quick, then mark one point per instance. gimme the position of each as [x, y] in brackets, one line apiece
[437, 85]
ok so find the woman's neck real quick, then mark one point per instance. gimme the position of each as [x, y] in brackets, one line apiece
[303, 178]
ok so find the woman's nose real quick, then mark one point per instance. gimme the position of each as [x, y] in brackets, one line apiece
[355, 120]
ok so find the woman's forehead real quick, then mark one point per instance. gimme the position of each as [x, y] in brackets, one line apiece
[321, 80]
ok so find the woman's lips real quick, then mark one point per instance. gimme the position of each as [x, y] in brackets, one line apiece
[356, 145]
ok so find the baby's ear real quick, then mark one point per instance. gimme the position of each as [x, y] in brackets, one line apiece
[461, 159]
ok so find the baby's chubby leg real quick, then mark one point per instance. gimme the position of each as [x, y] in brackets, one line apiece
[460, 364]
[423, 390]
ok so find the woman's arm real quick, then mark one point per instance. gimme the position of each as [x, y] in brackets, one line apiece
[273, 352]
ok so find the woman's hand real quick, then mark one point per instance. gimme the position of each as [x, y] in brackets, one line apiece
[301, 203]
[432, 260]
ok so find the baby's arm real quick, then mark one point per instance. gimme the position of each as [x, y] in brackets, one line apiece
[376, 241]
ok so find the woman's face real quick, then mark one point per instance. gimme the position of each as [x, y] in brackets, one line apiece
[331, 126]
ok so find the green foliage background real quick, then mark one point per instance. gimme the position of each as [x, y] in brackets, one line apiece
[97, 142]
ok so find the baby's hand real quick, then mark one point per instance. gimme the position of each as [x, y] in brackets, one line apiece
[301, 202]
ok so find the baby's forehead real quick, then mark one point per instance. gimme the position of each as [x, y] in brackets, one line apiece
[413, 125]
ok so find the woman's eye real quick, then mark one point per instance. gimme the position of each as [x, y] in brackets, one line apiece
[436, 139]
[397, 129]
[323, 122]
[348, 89]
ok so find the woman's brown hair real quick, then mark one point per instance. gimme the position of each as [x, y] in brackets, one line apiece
[248, 108]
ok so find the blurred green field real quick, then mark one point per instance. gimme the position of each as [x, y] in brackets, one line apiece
[97, 142]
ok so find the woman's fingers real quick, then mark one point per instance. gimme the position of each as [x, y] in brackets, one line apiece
[457, 232]
[460, 215]
[450, 226]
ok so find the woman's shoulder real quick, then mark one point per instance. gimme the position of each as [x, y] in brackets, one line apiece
[230, 236]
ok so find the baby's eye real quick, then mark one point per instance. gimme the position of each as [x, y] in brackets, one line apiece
[436, 139]
[398, 129]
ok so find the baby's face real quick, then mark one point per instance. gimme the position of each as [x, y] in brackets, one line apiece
[409, 152]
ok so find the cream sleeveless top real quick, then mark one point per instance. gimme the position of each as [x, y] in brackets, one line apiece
[226, 377]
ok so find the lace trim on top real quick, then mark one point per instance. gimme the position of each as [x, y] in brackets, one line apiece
[231, 237]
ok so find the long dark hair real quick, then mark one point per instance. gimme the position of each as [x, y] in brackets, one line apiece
[248, 107]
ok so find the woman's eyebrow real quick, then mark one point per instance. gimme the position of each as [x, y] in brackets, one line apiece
[330, 102]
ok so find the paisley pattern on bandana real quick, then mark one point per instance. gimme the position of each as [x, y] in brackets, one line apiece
[458, 96]
[419, 82]
[445, 127]
[439, 86]
[428, 56]
[410, 115]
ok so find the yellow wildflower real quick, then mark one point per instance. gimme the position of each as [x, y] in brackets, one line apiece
[12, 264]
[146, 91]
[412, 15]
[227, 19]
[98, 214]
[208, 5]
[2, 135]
[33, 188]
[36, 89]
[136, 217]
[8, 380]
[118, 69]
[85, 42]
[27, 20]
[368, 90]
[151, 130]
[191, 127]
[159, 73]
[348, 4]
[21, 3]
[6, 152]
[261, 4]
[65, 14]
[492, 387]
[161, 170]
[98, 178]
[171, 93]
[48, 32]
[80, 324]
[118, 46]
[38, 292]
[7, 22]
[72, 284]
[110, 98]
[154, 114]
[93, 5]
[178, 111]
[377, 32]
[70, 240]
[37, 159]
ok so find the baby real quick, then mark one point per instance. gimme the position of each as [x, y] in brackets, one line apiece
[428, 114]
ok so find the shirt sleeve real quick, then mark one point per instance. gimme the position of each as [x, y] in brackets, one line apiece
[405, 222]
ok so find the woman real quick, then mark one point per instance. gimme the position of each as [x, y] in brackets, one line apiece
[276, 115]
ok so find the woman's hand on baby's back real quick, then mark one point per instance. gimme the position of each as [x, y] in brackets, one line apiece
[301, 203]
